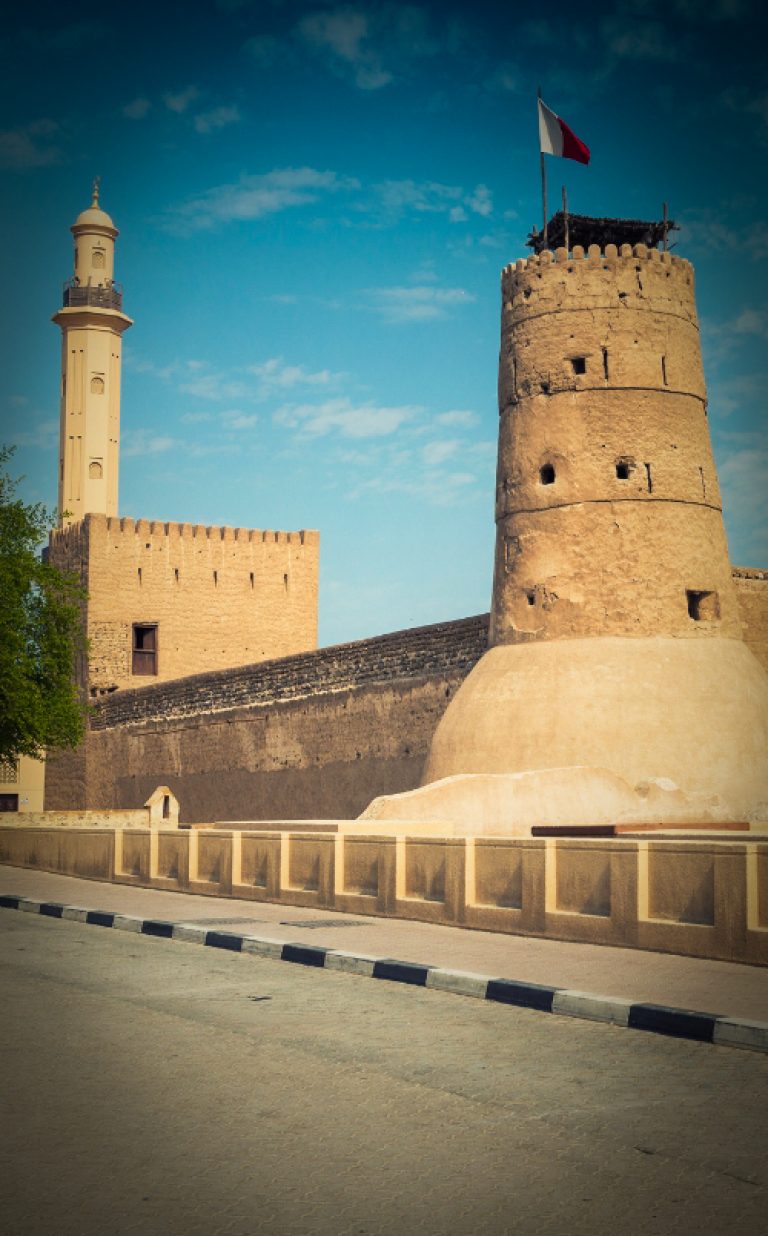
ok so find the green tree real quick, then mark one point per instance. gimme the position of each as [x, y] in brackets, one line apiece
[41, 634]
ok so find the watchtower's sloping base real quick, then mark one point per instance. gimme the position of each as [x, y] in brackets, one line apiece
[690, 711]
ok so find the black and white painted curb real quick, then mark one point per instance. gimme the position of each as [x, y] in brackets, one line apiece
[657, 1018]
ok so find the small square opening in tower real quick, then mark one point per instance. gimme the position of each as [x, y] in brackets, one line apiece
[703, 606]
[579, 364]
[144, 648]
[623, 469]
[547, 474]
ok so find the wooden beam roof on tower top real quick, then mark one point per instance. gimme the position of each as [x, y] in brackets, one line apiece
[586, 230]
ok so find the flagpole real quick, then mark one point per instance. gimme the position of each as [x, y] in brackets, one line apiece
[566, 228]
[543, 178]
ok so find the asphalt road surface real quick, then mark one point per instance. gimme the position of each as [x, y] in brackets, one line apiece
[160, 1088]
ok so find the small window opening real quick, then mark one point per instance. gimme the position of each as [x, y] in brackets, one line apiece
[544, 388]
[579, 364]
[703, 606]
[285, 580]
[605, 363]
[664, 370]
[166, 806]
[703, 482]
[95, 470]
[176, 574]
[139, 576]
[252, 579]
[547, 474]
[215, 579]
[144, 648]
[623, 469]
[531, 597]
[649, 478]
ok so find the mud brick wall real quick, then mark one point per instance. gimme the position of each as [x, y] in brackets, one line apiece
[317, 735]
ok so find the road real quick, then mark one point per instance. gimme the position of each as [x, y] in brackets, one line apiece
[156, 1087]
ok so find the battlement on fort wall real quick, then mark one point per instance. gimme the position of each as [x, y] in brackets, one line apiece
[415, 653]
[166, 530]
[634, 275]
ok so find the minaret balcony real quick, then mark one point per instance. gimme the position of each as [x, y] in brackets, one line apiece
[76, 295]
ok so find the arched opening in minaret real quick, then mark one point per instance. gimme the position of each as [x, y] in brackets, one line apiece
[547, 474]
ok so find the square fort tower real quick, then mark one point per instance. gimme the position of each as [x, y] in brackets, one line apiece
[165, 600]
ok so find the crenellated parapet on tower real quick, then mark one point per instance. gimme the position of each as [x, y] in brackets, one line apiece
[616, 643]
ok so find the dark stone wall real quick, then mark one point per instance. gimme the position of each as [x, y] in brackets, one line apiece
[317, 735]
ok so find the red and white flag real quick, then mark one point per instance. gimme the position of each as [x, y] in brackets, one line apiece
[557, 139]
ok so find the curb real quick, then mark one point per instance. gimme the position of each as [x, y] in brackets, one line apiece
[654, 1018]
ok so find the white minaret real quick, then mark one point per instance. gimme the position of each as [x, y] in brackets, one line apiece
[92, 324]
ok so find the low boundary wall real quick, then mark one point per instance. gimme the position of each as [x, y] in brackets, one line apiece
[696, 898]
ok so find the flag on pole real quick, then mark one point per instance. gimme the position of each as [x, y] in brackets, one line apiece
[556, 138]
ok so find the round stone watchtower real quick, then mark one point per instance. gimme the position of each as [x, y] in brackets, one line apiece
[615, 637]
[608, 511]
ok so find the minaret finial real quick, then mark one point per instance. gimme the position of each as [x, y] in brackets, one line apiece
[95, 191]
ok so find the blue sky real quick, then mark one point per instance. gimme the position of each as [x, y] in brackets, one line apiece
[315, 201]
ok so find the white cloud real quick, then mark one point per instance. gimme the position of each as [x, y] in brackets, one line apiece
[254, 197]
[239, 420]
[43, 436]
[396, 197]
[629, 39]
[180, 102]
[264, 50]
[144, 442]
[737, 393]
[29, 146]
[195, 418]
[274, 375]
[417, 304]
[751, 322]
[456, 417]
[140, 365]
[744, 483]
[137, 108]
[217, 118]
[214, 386]
[436, 453]
[703, 231]
[367, 420]
[343, 35]
[481, 201]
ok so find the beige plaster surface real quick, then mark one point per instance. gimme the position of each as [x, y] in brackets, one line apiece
[24, 777]
[691, 711]
[509, 804]
[220, 597]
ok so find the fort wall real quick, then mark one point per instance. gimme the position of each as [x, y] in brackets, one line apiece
[320, 734]
[218, 597]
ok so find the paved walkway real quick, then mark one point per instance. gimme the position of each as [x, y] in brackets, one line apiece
[725, 988]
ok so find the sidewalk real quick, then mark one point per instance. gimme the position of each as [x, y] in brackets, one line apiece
[723, 988]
